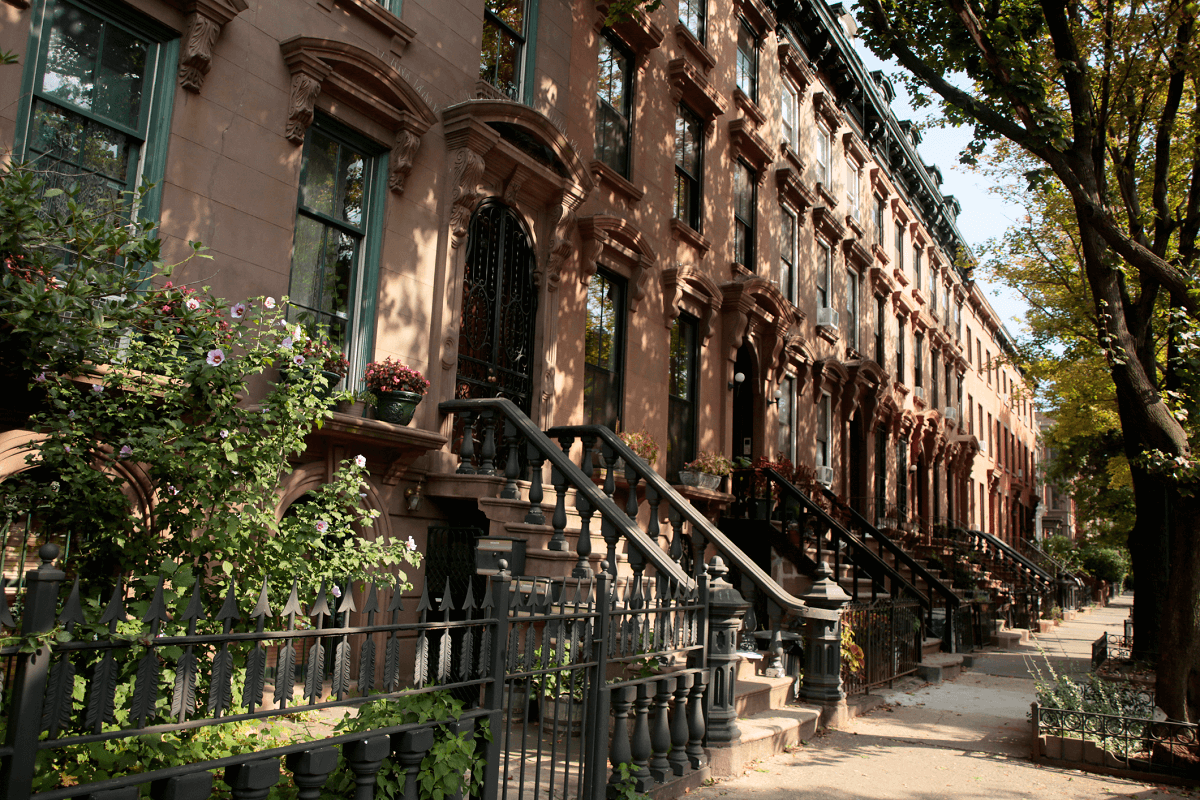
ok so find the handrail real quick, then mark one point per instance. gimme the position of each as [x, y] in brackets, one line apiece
[876, 564]
[730, 551]
[1059, 566]
[575, 477]
[900, 553]
[1012, 553]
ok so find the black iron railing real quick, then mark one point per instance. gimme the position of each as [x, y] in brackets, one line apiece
[888, 633]
[1108, 742]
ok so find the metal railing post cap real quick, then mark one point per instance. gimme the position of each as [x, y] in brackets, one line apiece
[826, 592]
[720, 591]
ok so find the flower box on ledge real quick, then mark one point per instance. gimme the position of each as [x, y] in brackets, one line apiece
[701, 479]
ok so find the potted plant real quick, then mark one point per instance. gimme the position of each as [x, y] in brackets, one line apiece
[398, 390]
[706, 471]
[642, 444]
[308, 356]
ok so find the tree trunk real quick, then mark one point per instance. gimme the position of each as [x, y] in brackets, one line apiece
[1178, 634]
[1149, 548]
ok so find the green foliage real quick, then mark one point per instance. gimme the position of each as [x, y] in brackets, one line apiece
[453, 764]
[1106, 564]
[1059, 695]
[625, 787]
[152, 456]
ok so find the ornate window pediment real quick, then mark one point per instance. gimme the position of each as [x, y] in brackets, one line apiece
[363, 82]
[204, 21]
[688, 289]
[617, 244]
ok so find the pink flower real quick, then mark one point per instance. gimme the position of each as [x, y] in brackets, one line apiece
[238, 311]
[269, 302]
[360, 460]
[224, 434]
[172, 489]
[215, 357]
[336, 591]
[166, 309]
[192, 304]
[97, 388]
[126, 451]
[297, 359]
[41, 377]
[66, 448]
[322, 526]
[287, 343]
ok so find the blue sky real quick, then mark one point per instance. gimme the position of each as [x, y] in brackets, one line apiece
[984, 214]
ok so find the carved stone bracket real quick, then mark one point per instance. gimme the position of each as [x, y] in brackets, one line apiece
[755, 305]
[203, 22]
[333, 68]
[404, 150]
[692, 88]
[751, 146]
[793, 190]
[468, 171]
[620, 245]
[561, 245]
[700, 291]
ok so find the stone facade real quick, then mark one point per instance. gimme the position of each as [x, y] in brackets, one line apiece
[796, 241]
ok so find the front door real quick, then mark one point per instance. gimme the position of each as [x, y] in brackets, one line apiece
[496, 332]
[744, 403]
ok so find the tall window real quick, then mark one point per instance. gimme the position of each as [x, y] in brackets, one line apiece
[880, 323]
[899, 246]
[824, 273]
[949, 373]
[881, 442]
[604, 350]
[500, 60]
[879, 219]
[689, 137]
[970, 412]
[918, 371]
[970, 360]
[789, 100]
[852, 187]
[852, 309]
[946, 306]
[681, 395]
[691, 14]
[787, 407]
[613, 106]
[100, 87]
[743, 215]
[787, 254]
[337, 187]
[958, 324]
[747, 60]
[902, 475]
[824, 422]
[933, 292]
[934, 399]
[916, 267]
[900, 349]
[824, 152]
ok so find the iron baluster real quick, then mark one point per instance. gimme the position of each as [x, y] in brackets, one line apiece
[512, 462]
[252, 780]
[310, 769]
[411, 747]
[466, 453]
[558, 541]
[583, 545]
[660, 731]
[365, 758]
[535, 516]
[366, 654]
[619, 751]
[679, 725]
[487, 453]
[695, 718]
[640, 747]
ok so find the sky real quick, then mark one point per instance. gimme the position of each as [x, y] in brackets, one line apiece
[985, 215]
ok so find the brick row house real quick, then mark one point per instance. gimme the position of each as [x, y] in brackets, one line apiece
[704, 222]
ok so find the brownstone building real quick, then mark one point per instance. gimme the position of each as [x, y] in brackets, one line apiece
[704, 222]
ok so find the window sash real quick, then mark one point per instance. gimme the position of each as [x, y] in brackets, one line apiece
[604, 350]
[689, 139]
[824, 274]
[613, 105]
[852, 187]
[899, 246]
[823, 431]
[681, 394]
[787, 111]
[502, 55]
[743, 215]
[852, 309]
[747, 60]
[880, 323]
[900, 336]
[824, 152]
[787, 254]
[692, 16]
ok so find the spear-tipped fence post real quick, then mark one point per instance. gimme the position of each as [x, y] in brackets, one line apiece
[494, 696]
[25, 713]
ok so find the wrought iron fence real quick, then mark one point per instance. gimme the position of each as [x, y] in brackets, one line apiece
[530, 660]
[1116, 743]
[1110, 645]
[889, 635]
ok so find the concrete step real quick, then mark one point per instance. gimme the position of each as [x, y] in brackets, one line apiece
[1009, 639]
[931, 646]
[760, 694]
[940, 667]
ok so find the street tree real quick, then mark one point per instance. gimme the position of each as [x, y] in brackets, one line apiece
[1099, 95]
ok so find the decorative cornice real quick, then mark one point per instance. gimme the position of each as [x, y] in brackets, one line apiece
[620, 243]
[203, 22]
[758, 15]
[793, 190]
[794, 64]
[684, 232]
[856, 254]
[749, 144]
[378, 17]
[693, 89]
[680, 281]
[826, 108]
[693, 46]
[827, 224]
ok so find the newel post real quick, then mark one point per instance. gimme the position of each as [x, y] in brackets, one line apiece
[823, 640]
[29, 683]
[725, 611]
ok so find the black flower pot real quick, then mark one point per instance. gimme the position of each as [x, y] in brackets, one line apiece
[396, 407]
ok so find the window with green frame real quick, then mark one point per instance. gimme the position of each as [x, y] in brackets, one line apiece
[98, 92]
[604, 349]
[336, 246]
[682, 394]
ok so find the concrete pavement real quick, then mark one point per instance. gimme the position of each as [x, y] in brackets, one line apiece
[966, 738]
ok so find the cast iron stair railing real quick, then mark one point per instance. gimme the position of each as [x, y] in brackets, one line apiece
[951, 601]
[680, 512]
[518, 431]
[843, 547]
[1029, 585]
[1068, 582]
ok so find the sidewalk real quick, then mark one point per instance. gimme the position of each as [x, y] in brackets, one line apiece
[967, 738]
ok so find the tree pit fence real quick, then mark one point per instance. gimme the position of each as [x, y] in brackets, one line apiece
[888, 632]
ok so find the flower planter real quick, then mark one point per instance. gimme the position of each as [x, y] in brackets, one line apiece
[396, 407]
[700, 479]
[563, 712]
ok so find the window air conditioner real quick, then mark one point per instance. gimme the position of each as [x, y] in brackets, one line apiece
[983, 445]
[919, 392]
[825, 476]
[1020, 473]
[950, 413]
[827, 318]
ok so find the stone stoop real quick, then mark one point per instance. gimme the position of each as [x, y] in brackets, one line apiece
[940, 667]
[930, 647]
[1009, 639]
